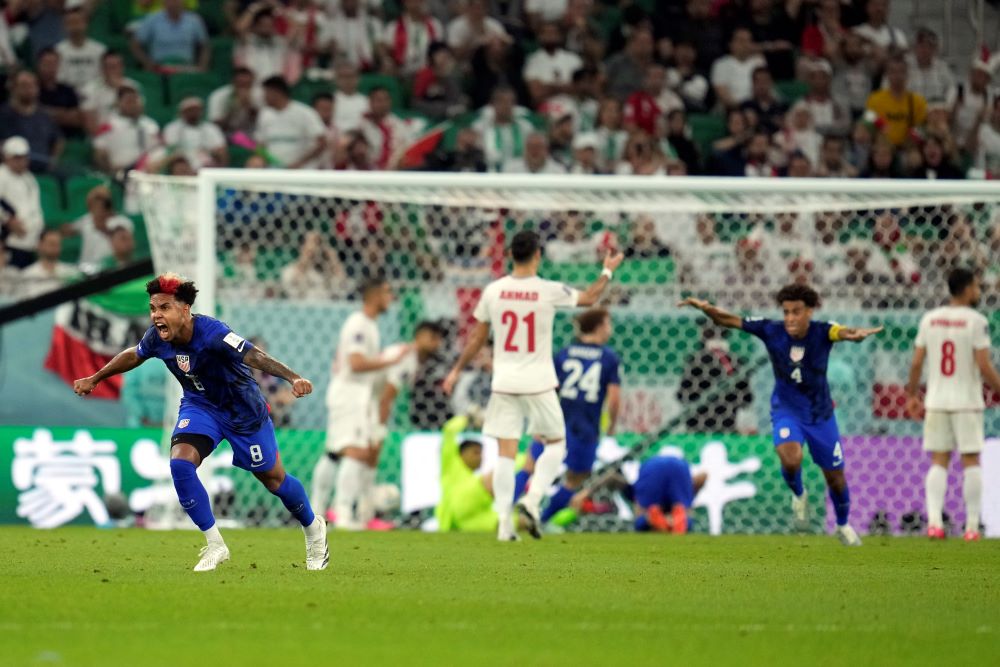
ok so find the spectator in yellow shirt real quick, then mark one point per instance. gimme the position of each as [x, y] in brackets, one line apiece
[900, 108]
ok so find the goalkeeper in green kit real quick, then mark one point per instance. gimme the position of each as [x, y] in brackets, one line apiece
[466, 496]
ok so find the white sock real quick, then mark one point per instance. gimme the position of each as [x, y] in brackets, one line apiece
[324, 480]
[972, 491]
[213, 536]
[366, 496]
[935, 486]
[503, 489]
[547, 468]
[349, 484]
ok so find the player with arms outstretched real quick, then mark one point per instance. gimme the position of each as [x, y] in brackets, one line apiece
[954, 340]
[221, 400]
[588, 374]
[520, 309]
[801, 405]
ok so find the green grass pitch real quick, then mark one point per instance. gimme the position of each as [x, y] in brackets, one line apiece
[80, 596]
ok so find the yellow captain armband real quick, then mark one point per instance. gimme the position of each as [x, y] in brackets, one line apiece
[835, 330]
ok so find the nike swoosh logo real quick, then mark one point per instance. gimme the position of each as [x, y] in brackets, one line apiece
[256, 465]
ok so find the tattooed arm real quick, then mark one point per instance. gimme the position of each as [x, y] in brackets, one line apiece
[262, 361]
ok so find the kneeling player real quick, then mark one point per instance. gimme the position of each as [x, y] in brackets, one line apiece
[221, 400]
[663, 494]
[801, 406]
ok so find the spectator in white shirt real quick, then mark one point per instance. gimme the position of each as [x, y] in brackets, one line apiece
[95, 228]
[351, 105]
[10, 276]
[571, 243]
[985, 144]
[685, 78]
[585, 147]
[502, 131]
[80, 56]
[406, 40]
[549, 70]
[351, 34]
[324, 105]
[128, 136]
[882, 38]
[971, 100]
[472, 28]
[20, 203]
[829, 114]
[48, 273]
[290, 131]
[235, 106]
[536, 158]
[100, 95]
[261, 49]
[929, 75]
[122, 248]
[200, 141]
[317, 274]
[732, 75]
[387, 133]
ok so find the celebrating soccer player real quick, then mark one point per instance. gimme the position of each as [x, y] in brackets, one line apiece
[520, 308]
[955, 341]
[587, 371]
[221, 400]
[801, 406]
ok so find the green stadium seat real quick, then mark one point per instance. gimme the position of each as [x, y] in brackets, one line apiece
[222, 57]
[305, 89]
[198, 84]
[791, 91]
[71, 246]
[390, 83]
[76, 193]
[51, 194]
[706, 128]
[77, 153]
[214, 14]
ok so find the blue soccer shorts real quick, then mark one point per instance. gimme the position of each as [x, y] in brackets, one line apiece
[822, 438]
[581, 452]
[256, 452]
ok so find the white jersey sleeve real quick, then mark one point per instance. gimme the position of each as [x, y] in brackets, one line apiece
[402, 374]
[358, 335]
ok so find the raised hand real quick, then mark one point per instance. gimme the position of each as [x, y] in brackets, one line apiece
[613, 260]
[858, 335]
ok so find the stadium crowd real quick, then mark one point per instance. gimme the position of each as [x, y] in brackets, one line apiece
[792, 88]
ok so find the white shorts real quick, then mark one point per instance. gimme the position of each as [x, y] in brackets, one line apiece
[351, 425]
[510, 416]
[947, 431]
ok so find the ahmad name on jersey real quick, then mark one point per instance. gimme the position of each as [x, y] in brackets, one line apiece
[210, 368]
[799, 365]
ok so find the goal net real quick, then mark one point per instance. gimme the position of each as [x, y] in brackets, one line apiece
[279, 257]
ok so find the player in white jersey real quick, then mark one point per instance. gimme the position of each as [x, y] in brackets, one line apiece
[352, 406]
[520, 309]
[955, 341]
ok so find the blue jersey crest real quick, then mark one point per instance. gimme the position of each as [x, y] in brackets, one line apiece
[211, 371]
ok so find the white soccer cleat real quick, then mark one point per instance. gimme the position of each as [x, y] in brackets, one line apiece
[317, 547]
[506, 532]
[212, 555]
[848, 537]
[800, 510]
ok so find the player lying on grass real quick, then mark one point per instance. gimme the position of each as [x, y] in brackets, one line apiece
[955, 341]
[801, 406]
[587, 371]
[221, 400]
[466, 495]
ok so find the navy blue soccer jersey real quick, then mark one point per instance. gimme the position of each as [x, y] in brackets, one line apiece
[800, 385]
[211, 371]
[585, 371]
